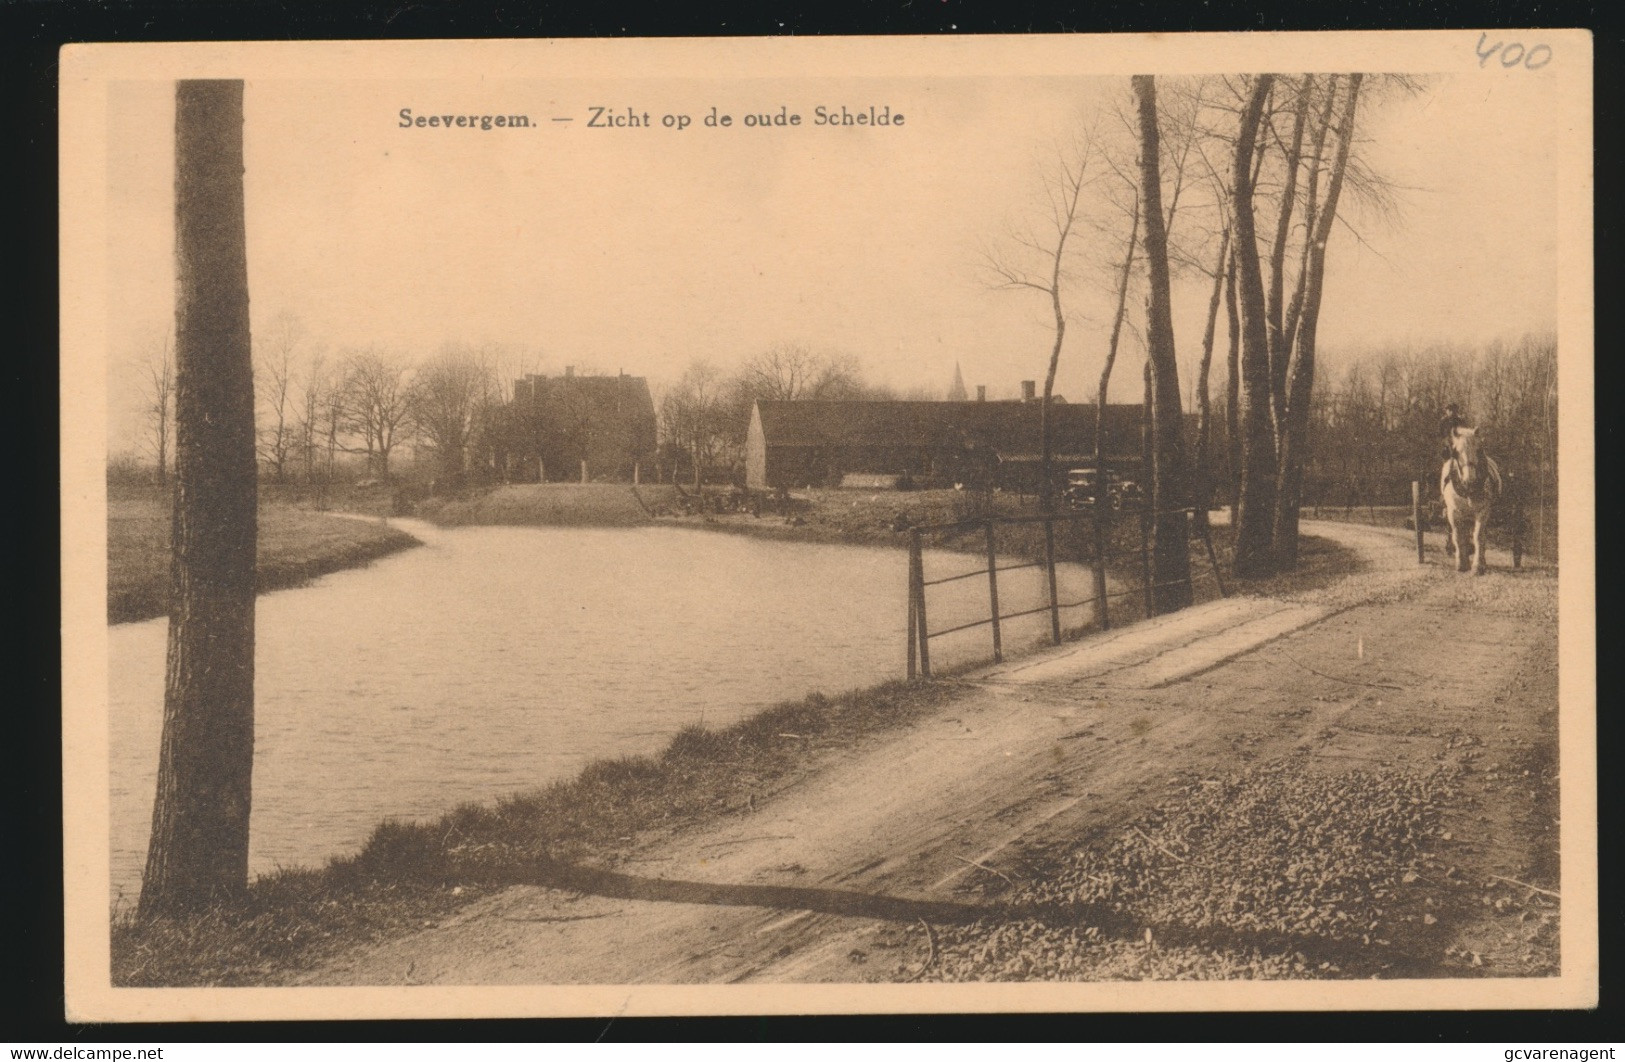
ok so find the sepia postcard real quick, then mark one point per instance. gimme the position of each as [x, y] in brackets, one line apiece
[828, 525]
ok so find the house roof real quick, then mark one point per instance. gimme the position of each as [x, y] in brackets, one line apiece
[598, 393]
[1004, 427]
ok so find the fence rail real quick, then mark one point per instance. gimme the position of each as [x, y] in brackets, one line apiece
[920, 632]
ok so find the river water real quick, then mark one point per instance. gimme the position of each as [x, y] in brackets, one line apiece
[497, 659]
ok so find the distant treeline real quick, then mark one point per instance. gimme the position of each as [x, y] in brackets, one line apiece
[1374, 425]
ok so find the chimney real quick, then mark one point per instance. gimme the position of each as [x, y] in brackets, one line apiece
[569, 372]
[981, 392]
[1029, 390]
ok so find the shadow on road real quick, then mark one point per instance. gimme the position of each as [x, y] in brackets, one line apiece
[1349, 957]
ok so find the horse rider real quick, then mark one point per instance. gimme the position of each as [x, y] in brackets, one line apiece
[1448, 424]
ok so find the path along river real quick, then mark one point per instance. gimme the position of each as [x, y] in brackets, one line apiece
[497, 659]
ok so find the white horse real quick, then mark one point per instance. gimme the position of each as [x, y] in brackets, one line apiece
[1470, 483]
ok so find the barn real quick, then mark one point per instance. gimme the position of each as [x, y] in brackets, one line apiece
[817, 443]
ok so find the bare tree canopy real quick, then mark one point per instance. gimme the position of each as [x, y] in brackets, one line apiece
[449, 398]
[790, 371]
[375, 412]
[1037, 261]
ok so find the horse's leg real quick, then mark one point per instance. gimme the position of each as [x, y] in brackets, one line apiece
[1458, 541]
[1478, 543]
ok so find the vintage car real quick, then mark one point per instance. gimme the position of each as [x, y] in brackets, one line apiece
[1083, 490]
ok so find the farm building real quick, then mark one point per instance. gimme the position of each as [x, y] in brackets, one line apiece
[817, 443]
[573, 427]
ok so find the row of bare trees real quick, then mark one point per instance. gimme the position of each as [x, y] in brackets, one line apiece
[311, 408]
[1237, 183]
[1374, 427]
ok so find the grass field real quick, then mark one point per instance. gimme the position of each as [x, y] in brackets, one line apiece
[295, 546]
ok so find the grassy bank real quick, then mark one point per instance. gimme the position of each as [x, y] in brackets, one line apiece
[295, 546]
[552, 505]
[412, 874]
[829, 517]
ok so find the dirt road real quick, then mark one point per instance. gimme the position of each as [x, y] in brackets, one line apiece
[839, 877]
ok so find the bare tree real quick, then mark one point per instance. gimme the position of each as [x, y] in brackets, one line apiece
[332, 414]
[313, 388]
[1203, 471]
[1292, 154]
[1232, 385]
[446, 397]
[788, 372]
[693, 416]
[1021, 269]
[1300, 386]
[376, 411]
[198, 852]
[158, 409]
[274, 380]
[1123, 276]
[1256, 504]
[1171, 568]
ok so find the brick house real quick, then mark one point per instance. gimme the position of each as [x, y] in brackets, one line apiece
[567, 428]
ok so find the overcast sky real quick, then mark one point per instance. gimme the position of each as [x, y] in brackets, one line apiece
[643, 249]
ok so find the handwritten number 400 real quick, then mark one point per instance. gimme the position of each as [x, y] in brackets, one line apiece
[1513, 54]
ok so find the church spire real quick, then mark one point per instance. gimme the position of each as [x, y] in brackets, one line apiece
[956, 393]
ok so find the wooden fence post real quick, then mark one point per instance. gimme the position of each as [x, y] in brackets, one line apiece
[1049, 564]
[917, 560]
[1102, 605]
[1515, 490]
[1145, 564]
[1416, 519]
[1213, 558]
[913, 620]
[993, 592]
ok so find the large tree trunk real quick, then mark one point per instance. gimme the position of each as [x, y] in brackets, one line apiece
[198, 852]
[1256, 507]
[1204, 405]
[1294, 448]
[1171, 567]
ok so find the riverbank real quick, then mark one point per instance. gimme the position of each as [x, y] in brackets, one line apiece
[552, 505]
[296, 545]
